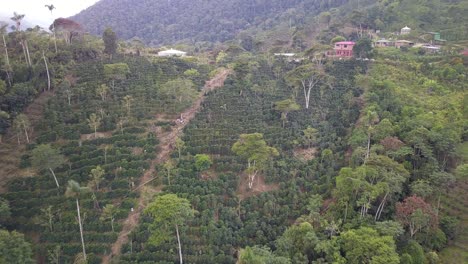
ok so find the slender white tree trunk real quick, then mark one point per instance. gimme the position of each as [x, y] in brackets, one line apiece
[180, 246]
[24, 52]
[26, 134]
[55, 39]
[307, 97]
[368, 147]
[81, 228]
[48, 74]
[307, 88]
[27, 52]
[252, 179]
[55, 178]
[6, 51]
[381, 207]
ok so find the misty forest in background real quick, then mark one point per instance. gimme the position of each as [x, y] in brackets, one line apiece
[266, 23]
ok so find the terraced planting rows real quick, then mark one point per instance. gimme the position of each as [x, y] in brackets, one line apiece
[36, 200]
[123, 151]
[228, 216]
[456, 204]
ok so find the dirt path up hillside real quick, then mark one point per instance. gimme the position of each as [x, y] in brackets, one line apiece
[166, 146]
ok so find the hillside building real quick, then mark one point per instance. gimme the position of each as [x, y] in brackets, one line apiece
[383, 43]
[403, 43]
[405, 31]
[342, 49]
[431, 49]
[172, 53]
[436, 39]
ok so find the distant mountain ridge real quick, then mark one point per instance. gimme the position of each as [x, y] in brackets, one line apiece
[170, 21]
[291, 23]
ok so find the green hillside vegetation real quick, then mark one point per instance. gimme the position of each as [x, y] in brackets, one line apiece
[235, 155]
[164, 22]
[265, 25]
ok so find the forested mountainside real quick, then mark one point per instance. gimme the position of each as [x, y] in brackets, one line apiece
[162, 22]
[110, 153]
[276, 22]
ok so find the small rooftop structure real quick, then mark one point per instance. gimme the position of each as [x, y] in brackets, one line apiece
[342, 49]
[436, 38]
[382, 43]
[285, 54]
[431, 48]
[172, 53]
[403, 43]
[406, 30]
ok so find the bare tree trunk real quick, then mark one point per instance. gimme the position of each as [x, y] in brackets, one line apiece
[180, 246]
[55, 39]
[284, 117]
[8, 76]
[346, 212]
[81, 228]
[381, 207]
[24, 52]
[438, 205]
[368, 147]
[7, 60]
[251, 176]
[48, 75]
[27, 53]
[6, 51]
[311, 82]
[26, 134]
[105, 155]
[55, 178]
[305, 94]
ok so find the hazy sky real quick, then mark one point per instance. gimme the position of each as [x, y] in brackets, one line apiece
[37, 13]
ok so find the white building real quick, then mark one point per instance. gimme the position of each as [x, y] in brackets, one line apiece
[285, 54]
[172, 53]
[405, 30]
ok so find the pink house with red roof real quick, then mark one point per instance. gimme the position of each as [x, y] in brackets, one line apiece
[342, 49]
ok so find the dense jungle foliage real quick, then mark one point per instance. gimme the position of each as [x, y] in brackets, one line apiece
[233, 155]
[261, 24]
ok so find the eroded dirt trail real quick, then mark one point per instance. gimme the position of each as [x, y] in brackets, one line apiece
[166, 146]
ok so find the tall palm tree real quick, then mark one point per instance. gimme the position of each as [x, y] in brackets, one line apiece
[17, 19]
[74, 190]
[24, 43]
[51, 8]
